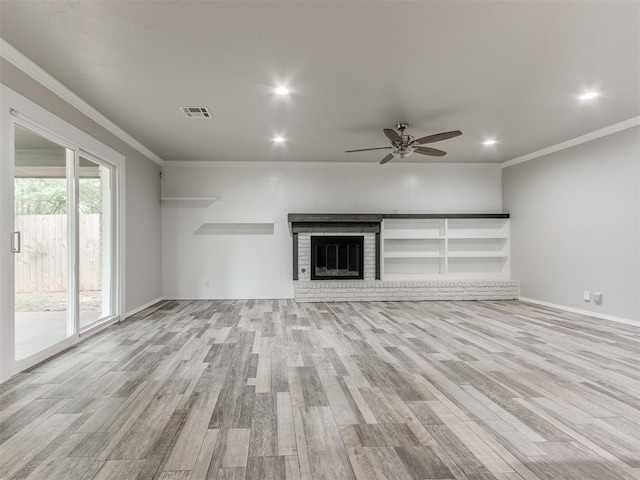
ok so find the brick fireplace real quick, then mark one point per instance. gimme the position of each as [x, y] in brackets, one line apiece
[371, 287]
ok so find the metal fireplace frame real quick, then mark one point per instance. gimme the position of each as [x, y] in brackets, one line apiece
[317, 240]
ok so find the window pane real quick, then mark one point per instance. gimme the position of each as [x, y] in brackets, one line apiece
[95, 244]
[41, 243]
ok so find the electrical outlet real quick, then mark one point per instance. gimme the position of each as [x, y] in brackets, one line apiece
[586, 296]
[597, 298]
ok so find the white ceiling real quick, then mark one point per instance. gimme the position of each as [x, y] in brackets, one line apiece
[509, 70]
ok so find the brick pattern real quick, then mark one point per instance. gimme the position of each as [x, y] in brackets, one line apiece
[383, 291]
[370, 289]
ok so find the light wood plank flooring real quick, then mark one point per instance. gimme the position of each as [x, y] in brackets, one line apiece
[280, 390]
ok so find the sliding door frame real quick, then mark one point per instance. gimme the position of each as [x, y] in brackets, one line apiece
[17, 109]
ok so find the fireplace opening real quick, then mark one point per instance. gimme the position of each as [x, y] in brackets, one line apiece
[335, 258]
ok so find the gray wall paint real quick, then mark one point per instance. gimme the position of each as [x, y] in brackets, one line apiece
[575, 220]
[143, 247]
[144, 275]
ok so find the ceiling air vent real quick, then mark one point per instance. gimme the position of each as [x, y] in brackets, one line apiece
[196, 112]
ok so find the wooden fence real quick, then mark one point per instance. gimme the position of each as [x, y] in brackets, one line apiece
[42, 264]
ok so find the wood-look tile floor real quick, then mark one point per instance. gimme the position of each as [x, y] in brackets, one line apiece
[280, 390]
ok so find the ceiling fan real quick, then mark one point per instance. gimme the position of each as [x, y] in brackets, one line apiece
[404, 145]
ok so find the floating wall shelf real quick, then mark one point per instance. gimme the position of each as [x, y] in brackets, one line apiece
[235, 229]
[187, 202]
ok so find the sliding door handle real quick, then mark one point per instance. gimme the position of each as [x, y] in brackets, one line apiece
[16, 242]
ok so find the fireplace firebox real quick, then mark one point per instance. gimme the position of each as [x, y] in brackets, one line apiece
[335, 258]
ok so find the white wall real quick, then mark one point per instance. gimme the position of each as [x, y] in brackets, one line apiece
[260, 266]
[575, 220]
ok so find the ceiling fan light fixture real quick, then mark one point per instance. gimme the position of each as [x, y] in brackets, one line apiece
[403, 152]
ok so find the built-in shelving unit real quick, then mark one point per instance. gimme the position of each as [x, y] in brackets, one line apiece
[420, 247]
[186, 202]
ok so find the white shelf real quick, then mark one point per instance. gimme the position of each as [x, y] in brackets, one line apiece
[235, 229]
[477, 276]
[474, 236]
[187, 202]
[422, 249]
[476, 255]
[412, 277]
[411, 236]
[413, 255]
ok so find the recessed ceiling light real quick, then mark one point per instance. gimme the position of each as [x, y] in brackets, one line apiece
[278, 139]
[281, 91]
[489, 142]
[589, 95]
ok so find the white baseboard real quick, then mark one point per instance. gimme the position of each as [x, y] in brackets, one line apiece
[142, 307]
[588, 313]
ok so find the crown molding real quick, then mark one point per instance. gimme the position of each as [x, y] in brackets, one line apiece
[15, 57]
[258, 163]
[603, 132]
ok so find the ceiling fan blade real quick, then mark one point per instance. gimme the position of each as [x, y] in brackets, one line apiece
[434, 152]
[392, 135]
[437, 137]
[367, 149]
[386, 159]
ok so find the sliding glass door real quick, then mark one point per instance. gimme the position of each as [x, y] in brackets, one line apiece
[63, 242]
[62, 250]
